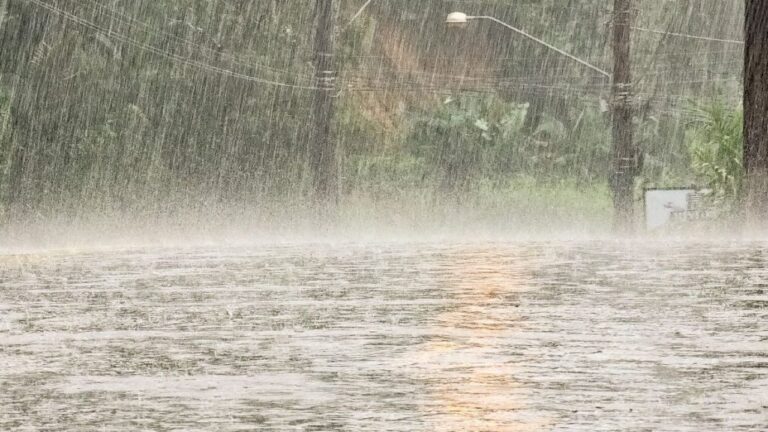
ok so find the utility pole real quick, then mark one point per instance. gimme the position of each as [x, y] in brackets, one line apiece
[322, 147]
[756, 114]
[3, 8]
[625, 158]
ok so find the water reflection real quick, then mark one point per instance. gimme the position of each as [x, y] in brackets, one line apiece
[472, 380]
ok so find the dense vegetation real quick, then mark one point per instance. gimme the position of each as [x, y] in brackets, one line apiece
[146, 106]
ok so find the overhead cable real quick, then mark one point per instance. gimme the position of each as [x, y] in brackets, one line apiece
[174, 57]
[688, 36]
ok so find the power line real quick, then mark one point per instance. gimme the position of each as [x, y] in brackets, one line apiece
[688, 36]
[174, 57]
[494, 74]
[134, 22]
[424, 80]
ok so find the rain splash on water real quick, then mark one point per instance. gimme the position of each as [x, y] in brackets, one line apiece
[491, 336]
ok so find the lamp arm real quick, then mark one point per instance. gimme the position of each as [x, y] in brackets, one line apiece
[539, 41]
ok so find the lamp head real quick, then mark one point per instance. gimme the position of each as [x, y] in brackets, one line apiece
[457, 20]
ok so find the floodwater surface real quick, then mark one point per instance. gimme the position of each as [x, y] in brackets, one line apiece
[580, 336]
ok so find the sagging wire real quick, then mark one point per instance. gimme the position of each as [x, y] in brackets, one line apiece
[171, 56]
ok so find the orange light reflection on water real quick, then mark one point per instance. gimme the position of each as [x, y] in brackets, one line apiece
[472, 384]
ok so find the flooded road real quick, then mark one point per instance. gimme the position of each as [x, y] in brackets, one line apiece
[582, 336]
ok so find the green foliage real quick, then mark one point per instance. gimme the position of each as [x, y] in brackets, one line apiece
[578, 146]
[715, 139]
[99, 120]
[464, 134]
[520, 203]
[666, 159]
[483, 136]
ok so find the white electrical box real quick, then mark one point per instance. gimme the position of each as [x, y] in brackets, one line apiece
[664, 206]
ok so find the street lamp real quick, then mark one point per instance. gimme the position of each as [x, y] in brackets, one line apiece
[625, 159]
[457, 19]
[460, 20]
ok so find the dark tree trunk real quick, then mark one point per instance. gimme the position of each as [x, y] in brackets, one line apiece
[625, 158]
[756, 113]
[322, 154]
[3, 6]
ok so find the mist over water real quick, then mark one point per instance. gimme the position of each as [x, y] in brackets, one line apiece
[450, 226]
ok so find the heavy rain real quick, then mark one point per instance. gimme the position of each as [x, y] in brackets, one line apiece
[448, 215]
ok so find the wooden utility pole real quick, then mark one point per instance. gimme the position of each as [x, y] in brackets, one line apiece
[3, 8]
[322, 147]
[625, 158]
[756, 113]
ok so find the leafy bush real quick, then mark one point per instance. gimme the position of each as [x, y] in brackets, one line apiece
[463, 135]
[483, 137]
[715, 140]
